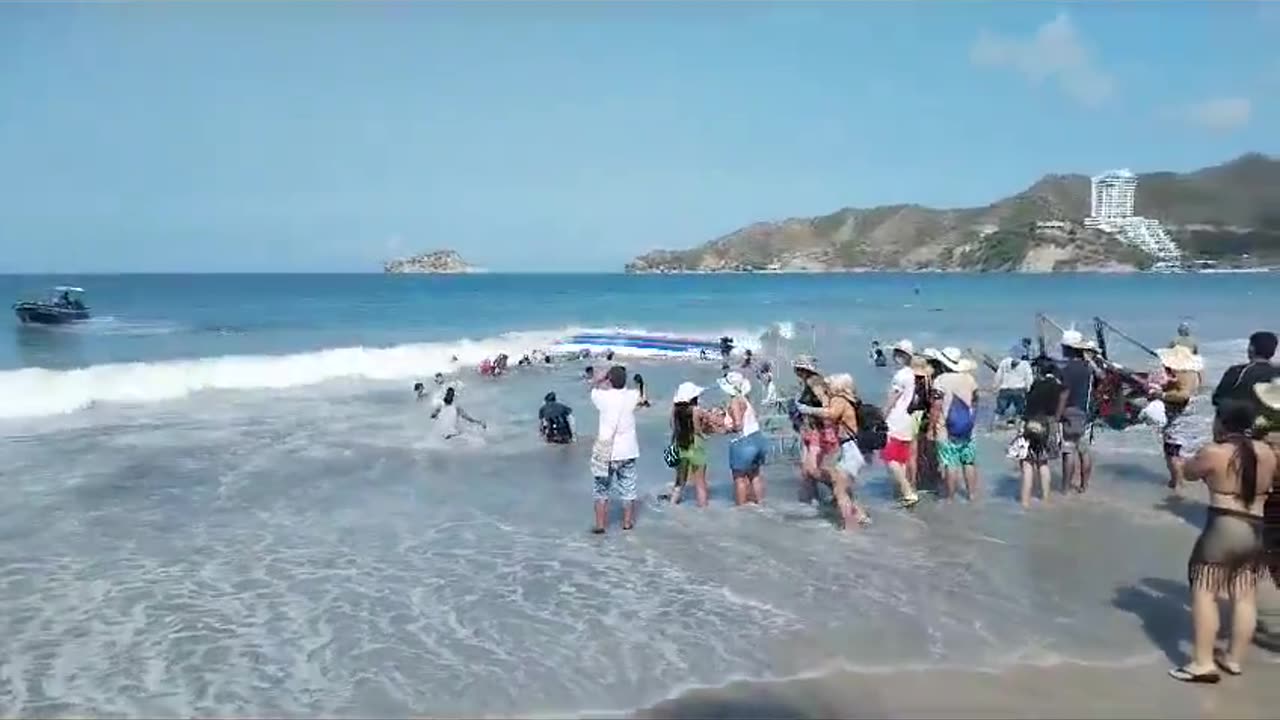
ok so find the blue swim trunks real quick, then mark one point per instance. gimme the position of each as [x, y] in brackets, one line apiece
[622, 475]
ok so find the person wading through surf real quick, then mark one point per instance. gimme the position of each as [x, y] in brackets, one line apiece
[841, 411]
[555, 421]
[749, 450]
[614, 454]
[1183, 370]
[957, 454]
[690, 425]
[902, 427]
[1012, 381]
[1044, 399]
[1237, 381]
[817, 436]
[925, 472]
[1228, 558]
[1075, 415]
[448, 414]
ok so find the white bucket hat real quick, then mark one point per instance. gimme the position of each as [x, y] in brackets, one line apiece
[735, 384]
[1179, 358]
[953, 358]
[1075, 339]
[904, 346]
[1269, 393]
[688, 391]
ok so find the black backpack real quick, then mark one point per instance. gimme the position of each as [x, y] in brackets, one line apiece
[873, 431]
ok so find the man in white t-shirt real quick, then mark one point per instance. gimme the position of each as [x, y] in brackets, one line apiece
[902, 427]
[1013, 380]
[614, 455]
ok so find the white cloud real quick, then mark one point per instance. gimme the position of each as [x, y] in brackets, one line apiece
[1220, 114]
[1054, 53]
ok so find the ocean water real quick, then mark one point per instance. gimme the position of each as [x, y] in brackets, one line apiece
[222, 499]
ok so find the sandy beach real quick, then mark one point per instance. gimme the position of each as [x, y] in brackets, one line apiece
[1058, 691]
[1137, 689]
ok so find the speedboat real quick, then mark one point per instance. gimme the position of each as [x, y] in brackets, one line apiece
[64, 305]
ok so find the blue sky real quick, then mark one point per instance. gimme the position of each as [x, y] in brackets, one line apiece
[572, 136]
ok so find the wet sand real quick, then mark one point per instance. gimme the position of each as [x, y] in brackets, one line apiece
[1140, 689]
[1059, 691]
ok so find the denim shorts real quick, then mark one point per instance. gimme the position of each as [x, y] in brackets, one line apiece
[622, 475]
[747, 454]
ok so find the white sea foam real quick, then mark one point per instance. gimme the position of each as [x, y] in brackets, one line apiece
[34, 392]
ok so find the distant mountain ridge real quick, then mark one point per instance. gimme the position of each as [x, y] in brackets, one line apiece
[1224, 212]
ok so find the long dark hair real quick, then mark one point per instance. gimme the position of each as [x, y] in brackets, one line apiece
[1236, 419]
[682, 414]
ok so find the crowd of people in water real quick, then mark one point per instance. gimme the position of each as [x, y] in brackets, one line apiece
[925, 433]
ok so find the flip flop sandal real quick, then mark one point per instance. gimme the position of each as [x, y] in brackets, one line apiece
[1186, 676]
[864, 521]
[1230, 668]
[907, 503]
[597, 531]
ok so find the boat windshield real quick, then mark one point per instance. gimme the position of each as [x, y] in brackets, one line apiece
[67, 296]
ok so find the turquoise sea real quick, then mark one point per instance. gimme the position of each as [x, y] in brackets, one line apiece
[222, 499]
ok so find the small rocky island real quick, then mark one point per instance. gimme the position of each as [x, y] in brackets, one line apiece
[438, 262]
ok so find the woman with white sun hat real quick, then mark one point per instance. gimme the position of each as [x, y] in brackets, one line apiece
[690, 425]
[748, 451]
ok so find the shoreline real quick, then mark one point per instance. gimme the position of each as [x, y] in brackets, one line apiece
[1135, 688]
[1064, 690]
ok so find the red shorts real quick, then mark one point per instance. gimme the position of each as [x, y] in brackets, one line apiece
[896, 450]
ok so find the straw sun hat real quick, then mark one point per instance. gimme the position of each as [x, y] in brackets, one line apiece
[1180, 358]
[953, 358]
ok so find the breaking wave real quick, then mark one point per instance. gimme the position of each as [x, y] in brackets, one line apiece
[35, 392]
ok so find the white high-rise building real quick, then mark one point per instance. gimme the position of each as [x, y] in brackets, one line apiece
[1112, 195]
[1111, 210]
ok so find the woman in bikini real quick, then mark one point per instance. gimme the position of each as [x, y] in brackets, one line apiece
[817, 435]
[1228, 558]
[841, 413]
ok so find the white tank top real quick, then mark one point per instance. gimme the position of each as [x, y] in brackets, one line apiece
[749, 422]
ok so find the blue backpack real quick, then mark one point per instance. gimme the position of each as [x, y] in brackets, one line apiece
[960, 419]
